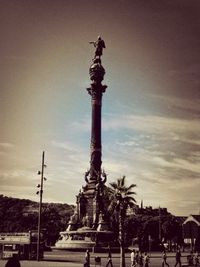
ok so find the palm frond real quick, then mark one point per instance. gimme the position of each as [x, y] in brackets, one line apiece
[131, 204]
[121, 196]
[123, 181]
[119, 182]
[114, 185]
[129, 199]
[131, 186]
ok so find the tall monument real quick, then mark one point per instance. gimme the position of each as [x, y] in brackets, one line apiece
[95, 178]
[88, 219]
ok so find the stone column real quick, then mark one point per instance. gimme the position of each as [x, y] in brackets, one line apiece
[96, 91]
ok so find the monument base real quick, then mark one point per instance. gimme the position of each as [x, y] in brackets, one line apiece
[83, 238]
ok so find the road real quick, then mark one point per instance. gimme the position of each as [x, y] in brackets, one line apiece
[76, 259]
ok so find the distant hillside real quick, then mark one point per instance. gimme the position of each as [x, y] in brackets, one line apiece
[21, 215]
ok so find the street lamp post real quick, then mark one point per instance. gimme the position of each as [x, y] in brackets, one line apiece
[160, 226]
[40, 192]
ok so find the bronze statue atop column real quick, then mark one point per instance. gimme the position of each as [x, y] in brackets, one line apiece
[99, 45]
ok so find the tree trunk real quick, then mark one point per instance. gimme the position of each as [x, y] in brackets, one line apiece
[121, 240]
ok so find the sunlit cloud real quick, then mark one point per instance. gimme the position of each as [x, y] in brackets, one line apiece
[151, 124]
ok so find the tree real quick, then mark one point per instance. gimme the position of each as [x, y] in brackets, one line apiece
[151, 232]
[21, 215]
[197, 242]
[121, 199]
[172, 231]
[132, 228]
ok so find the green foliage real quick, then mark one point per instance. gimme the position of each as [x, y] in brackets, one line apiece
[120, 200]
[172, 230]
[121, 196]
[197, 242]
[140, 228]
[21, 215]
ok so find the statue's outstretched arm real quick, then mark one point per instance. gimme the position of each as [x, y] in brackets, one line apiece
[92, 43]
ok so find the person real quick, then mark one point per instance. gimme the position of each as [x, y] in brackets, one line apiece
[133, 259]
[140, 260]
[109, 258]
[87, 259]
[164, 259]
[13, 262]
[146, 260]
[196, 258]
[190, 259]
[137, 256]
[178, 258]
[99, 44]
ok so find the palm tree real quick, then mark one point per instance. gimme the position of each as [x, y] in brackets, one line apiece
[121, 199]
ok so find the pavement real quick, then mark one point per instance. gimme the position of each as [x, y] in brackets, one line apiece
[45, 264]
[72, 264]
[70, 259]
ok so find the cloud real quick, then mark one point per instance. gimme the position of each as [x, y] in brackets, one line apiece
[160, 154]
[162, 138]
[6, 148]
[6, 145]
[17, 180]
[154, 131]
[83, 125]
[151, 124]
[179, 107]
[65, 146]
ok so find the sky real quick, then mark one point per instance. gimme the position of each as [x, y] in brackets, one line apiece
[151, 108]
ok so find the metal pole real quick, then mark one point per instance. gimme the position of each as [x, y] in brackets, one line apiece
[160, 231]
[40, 209]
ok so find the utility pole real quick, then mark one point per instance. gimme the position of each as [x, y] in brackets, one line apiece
[160, 230]
[40, 192]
